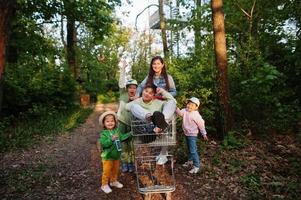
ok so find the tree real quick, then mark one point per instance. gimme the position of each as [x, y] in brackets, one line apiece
[71, 47]
[6, 10]
[221, 63]
[163, 29]
[197, 28]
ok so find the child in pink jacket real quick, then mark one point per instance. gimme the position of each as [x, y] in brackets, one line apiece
[192, 124]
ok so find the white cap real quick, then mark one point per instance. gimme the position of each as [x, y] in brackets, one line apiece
[131, 82]
[101, 118]
[195, 100]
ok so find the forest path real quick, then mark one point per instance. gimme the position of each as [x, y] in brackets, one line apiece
[69, 167]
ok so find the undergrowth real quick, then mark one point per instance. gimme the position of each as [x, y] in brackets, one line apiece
[29, 128]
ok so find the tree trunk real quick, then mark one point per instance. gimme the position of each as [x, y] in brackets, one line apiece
[221, 63]
[71, 47]
[163, 29]
[197, 29]
[6, 10]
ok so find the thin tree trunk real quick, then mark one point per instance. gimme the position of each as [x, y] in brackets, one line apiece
[6, 10]
[178, 33]
[197, 29]
[221, 63]
[71, 47]
[163, 29]
[63, 34]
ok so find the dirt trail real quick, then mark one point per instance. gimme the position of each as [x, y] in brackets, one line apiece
[66, 168]
[69, 168]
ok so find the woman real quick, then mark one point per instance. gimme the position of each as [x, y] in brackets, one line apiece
[158, 76]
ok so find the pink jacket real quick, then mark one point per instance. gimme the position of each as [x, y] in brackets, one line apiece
[192, 122]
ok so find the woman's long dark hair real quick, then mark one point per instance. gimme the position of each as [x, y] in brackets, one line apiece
[151, 73]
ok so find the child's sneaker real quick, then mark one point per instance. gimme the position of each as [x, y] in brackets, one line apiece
[124, 167]
[188, 163]
[162, 159]
[131, 167]
[116, 184]
[194, 170]
[106, 189]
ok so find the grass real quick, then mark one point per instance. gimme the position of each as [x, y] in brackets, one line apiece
[231, 141]
[28, 129]
[26, 179]
[251, 182]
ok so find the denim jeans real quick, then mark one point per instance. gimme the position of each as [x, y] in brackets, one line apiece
[192, 150]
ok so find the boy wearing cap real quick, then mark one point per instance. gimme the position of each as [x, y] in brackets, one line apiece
[127, 94]
[192, 124]
[124, 119]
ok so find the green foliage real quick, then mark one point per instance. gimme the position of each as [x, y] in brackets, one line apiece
[236, 165]
[195, 78]
[99, 68]
[139, 54]
[251, 181]
[232, 142]
[25, 87]
[264, 64]
[39, 122]
[259, 93]
[293, 189]
[108, 97]
[31, 175]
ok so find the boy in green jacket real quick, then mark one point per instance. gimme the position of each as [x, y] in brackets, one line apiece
[111, 150]
[124, 124]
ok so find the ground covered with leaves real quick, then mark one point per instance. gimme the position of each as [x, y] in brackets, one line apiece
[68, 167]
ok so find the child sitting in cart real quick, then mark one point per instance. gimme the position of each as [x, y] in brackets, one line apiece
[192, 123]
[111, 149]
[148, 108]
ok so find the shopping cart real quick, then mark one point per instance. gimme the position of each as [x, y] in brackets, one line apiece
[151, 177]
[143, 134]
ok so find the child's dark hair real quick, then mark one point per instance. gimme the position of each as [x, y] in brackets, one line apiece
[152, 86]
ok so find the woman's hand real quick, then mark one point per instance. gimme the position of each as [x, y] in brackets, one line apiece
[159, 97]
[159, 90]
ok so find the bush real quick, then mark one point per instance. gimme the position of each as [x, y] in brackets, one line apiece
[232, 142]
[30, 127]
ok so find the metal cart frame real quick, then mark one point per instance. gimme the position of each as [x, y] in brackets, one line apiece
[153, 178]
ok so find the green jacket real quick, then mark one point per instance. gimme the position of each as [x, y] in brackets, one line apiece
[124, 115]
[109, 150]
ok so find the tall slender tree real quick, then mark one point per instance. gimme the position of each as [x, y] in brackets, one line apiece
[6, 10]
[221, 63]
[197, 28]
[71, 47]
[163, 29]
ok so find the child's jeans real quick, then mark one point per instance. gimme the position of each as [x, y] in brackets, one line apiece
[192, 150]
[110, 171]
